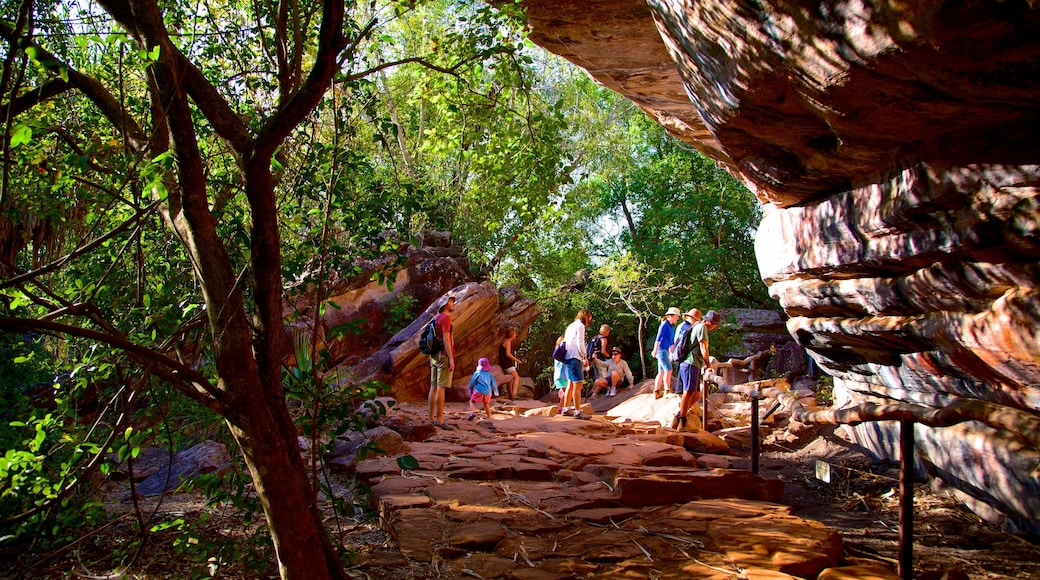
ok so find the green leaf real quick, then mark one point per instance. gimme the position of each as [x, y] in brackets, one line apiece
[22, 135]
[407, 463]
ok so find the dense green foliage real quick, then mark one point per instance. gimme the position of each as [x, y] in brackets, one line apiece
[439, 116]
[647, 224]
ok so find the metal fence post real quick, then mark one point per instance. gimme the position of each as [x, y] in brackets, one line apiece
[906, 499]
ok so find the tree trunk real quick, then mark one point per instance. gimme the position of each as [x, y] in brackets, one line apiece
[267, 439]
[642, 353]
[246, 353]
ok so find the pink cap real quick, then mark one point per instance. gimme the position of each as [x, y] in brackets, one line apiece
[484, 364]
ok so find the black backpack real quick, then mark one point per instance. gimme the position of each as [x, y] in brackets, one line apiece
[683, 345]
[429, 343]
[595, 348]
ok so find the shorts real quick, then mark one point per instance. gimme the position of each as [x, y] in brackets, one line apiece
[689, 377]
[622, 382]
[440, 376]
[664, 360]
[478, 397]
[574, 370]
[509, 370]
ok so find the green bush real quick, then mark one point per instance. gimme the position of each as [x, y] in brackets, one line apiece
[400, 311]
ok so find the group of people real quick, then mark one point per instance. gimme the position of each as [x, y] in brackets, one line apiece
[482, 385]
[685, 345]
[609, 369]
[605, 364]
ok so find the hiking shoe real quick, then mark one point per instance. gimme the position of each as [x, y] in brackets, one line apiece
[675, 422]
[446, 427]
[683, 421]
[658, 394]
[611, 392]
[471, 416]
[576, 413]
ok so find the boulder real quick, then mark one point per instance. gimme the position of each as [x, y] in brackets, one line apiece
[481, 319]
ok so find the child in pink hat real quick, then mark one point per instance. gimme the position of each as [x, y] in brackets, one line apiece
[481, 385]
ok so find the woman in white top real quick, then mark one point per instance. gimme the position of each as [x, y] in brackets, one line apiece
[576, 363]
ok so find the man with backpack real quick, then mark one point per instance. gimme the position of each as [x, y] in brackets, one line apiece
[693, 365]
[442, 363]
[683, 347]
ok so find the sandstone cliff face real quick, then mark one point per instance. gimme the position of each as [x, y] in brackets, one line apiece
[895, 148]
[482, 317]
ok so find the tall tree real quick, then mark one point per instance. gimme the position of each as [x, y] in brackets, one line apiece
[122, 111]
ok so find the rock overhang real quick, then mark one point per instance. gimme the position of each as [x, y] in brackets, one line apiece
[894, 147]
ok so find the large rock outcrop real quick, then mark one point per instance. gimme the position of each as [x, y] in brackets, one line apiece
[894, 146]
[483, 315]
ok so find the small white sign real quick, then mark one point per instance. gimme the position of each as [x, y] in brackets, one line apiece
[823, 471]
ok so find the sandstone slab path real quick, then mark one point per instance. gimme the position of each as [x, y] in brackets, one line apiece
[531, 494]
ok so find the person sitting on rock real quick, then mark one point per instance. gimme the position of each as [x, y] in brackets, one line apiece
[618, 375]
[481, 384]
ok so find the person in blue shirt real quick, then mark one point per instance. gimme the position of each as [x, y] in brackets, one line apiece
[662, 351]
[481, 385]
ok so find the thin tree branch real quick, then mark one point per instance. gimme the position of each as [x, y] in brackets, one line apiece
[212, 104]
[92, 89]
[330, 43]
[181, 373]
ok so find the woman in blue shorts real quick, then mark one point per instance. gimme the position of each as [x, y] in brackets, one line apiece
[662, 351]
